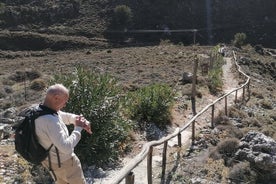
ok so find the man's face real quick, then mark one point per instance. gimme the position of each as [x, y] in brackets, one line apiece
[62, 99]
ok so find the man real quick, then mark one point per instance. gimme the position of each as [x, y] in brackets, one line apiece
[62, 162]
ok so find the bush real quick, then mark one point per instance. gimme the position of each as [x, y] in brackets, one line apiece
[21, 76]
[215, 82]
[122, 16]
[239, 39]
[97, 98]
[2, 8]
[150, 104]
[242, 173]
[38, 85]
[228, 147]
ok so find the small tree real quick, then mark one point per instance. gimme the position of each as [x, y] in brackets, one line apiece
[215, 72]
[122, 16]
[97, 98]
[239, 39]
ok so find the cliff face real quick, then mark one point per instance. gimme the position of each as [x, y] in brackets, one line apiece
[216, 20]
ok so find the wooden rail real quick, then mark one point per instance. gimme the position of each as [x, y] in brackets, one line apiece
[147, 149]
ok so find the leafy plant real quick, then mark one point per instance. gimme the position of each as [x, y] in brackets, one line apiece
[239, 39]
[97, 98]
[122, 16]
[2, 8]
[215, 72]
[150, 104]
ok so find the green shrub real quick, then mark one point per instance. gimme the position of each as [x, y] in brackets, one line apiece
[97, 98]
[122, 16]
[215, 72]
[239, 39]
[150, 104]
[2, 8]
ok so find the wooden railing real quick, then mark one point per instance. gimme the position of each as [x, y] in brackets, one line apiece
[147, 149]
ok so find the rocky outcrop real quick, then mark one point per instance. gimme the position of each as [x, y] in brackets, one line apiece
[260, 151]
[7, 120]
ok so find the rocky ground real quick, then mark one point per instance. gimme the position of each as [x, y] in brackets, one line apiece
[134, 67]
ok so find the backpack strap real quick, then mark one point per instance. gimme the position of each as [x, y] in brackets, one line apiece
[50, 163]
[58, 158]
[46, 110]
[50, 168]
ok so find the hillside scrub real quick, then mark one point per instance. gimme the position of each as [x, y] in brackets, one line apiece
[97, 98]
[150, 104]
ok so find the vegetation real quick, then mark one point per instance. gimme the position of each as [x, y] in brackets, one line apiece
[215, 82]
[150, 104]
[122, 16]
[257, 115]
[242, 172]
[97, 98]
[2, 8]
[38, 84]
[239, 39]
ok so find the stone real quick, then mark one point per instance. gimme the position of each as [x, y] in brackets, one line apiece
[260, 151]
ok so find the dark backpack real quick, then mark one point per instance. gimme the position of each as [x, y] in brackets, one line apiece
[26, 142]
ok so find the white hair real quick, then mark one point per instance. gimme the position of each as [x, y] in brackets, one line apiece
[57, 89]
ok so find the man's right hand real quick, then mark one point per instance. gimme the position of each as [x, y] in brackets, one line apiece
[83, 123]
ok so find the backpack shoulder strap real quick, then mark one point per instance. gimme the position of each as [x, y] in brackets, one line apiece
[46, 110]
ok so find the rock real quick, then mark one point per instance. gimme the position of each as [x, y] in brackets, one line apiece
[9, 113]
[187, 78]
[260, 151]
[7, 121]
[153, 132]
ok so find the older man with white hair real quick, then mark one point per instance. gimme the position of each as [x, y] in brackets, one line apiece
[52, 133]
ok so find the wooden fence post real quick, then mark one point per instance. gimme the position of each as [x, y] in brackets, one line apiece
[130, 178]
[149, 166]
[179, 140]
[236, 96]
[164, 160]
[194, 86]
[248, 89]
[193, 132]
[243, 93]
[226, 106]
[213, 114]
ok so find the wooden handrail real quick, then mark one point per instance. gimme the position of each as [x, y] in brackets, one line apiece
[147, 148]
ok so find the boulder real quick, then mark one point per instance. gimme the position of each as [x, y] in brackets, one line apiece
[187, 78]
[260, 151]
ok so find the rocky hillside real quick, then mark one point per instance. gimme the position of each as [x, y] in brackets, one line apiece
[216, 21]
[39, 39]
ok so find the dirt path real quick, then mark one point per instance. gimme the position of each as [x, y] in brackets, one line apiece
[230, 82]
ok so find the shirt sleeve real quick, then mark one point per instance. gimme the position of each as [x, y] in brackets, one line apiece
[67, 118]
